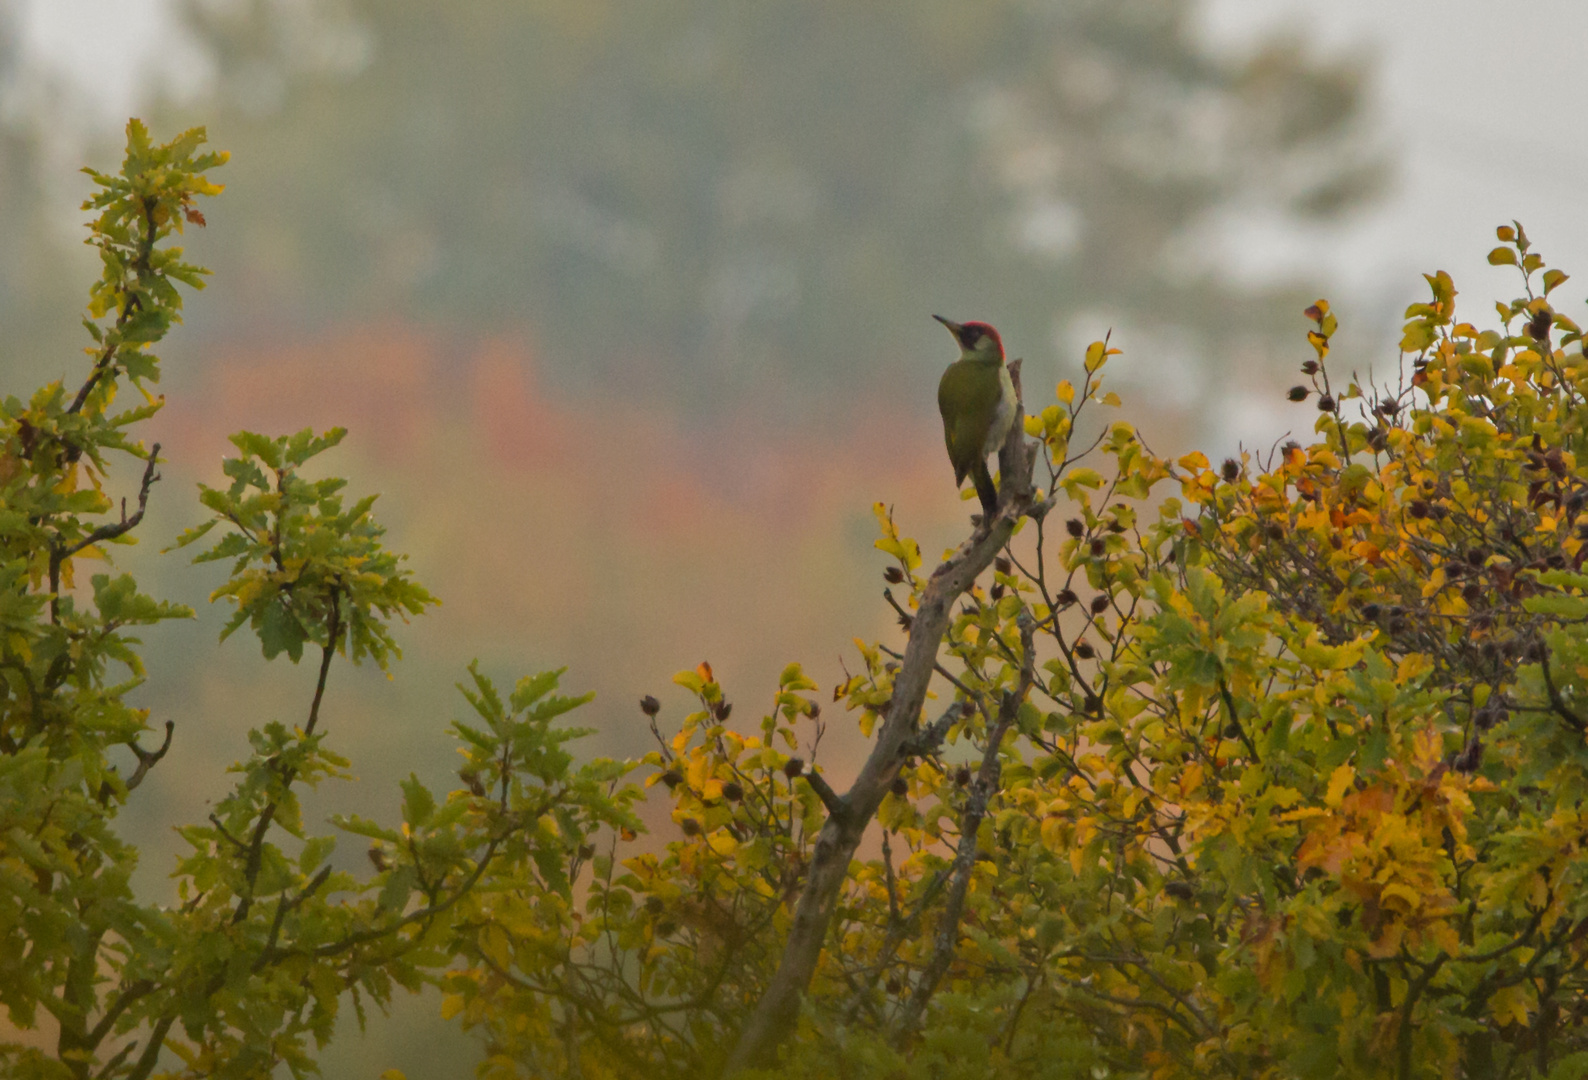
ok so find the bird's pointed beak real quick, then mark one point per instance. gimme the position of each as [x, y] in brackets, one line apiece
[953, 327]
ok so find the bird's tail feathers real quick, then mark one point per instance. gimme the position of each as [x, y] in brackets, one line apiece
[985, 489]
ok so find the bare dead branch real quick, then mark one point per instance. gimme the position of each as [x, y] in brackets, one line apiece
[831, 799]
[774, 1015]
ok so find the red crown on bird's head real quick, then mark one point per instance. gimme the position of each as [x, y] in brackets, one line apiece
[970, 335]
[972, 331]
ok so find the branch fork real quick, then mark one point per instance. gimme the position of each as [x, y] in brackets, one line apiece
[898, 738]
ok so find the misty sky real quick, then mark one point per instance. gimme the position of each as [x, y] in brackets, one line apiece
[1469, 91]
[1480, 105]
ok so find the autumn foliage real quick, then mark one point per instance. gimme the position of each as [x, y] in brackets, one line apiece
[1273, 768]
[1294, 791]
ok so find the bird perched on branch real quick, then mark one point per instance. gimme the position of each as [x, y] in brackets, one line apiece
[977, 400]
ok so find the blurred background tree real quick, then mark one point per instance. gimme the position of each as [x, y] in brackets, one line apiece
[702, 205]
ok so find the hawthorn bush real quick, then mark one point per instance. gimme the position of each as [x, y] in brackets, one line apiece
[1279, 775]
[1270, 769]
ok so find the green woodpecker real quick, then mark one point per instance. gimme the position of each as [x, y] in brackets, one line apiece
[977, 400]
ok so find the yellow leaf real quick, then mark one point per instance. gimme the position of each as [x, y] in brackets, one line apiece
[1508, 1005]
[397, 1074]
[1412, 666]
[451, 1005]
[1339, 780]
[703, 669]
[1111, 398]
[1066, 392]
[1502, 256]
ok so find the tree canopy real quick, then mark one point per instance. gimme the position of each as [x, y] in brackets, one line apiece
[1273, 768]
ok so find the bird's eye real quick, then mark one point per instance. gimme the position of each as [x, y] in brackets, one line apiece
[970, 337]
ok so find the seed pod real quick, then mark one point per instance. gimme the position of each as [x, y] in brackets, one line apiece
[1325, 403]
[655, 905]
[793, 767]
[1371, 611]
[893, 575]
[649, 705]
[1003, 565]
[1097, 548]
[962, 776]
[900, 787]
[586, 851]
[1100, 603]
[1093, 705]
[733, 791]
[1075, 527]
[723, 710]
[1298, 393]
[1067, 597]
[1309, 367]
[377, 858]
[1084, 650]
[1417, 508]
[1230, 470]
[690, 827]
[672, 779]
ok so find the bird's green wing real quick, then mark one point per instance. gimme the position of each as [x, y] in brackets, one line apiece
[967, 396]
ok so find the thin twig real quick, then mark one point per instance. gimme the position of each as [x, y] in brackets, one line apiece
[970, 822]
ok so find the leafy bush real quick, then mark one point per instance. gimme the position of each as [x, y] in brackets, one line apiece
[269, 934]
[1278, 776]
[1270, 769]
